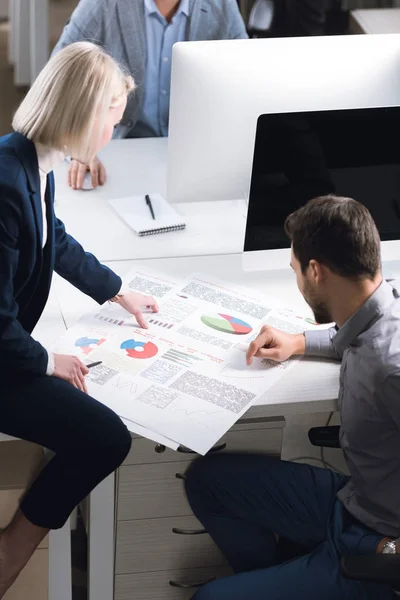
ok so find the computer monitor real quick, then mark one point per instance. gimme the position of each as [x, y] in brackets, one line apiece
[219, 89]
[299, 156]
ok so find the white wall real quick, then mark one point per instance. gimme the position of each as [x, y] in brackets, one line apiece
[3, 8]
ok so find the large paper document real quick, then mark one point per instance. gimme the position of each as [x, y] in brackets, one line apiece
[149, 434]
[185, 378]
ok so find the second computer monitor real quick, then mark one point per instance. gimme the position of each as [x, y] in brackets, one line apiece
[219, 89]
[300, 156]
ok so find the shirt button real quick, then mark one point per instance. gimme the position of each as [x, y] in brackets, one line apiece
[166, 59]
[164, 92]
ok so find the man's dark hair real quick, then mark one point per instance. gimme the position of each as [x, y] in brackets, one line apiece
[337, 232]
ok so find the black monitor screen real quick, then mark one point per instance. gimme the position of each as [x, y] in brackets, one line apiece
[299, 156]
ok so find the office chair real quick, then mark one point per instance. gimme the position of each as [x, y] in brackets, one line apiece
[378, 568]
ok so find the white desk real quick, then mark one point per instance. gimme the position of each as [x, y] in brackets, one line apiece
[137, 167]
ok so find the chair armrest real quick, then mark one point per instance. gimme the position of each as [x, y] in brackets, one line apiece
[380, 568]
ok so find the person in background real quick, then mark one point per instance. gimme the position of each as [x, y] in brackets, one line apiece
[72, 107]
[140, 34]
[253, 505]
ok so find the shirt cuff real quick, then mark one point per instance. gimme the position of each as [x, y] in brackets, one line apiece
[319, 342]
[50, 364]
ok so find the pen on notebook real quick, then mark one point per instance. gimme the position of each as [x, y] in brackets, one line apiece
[94, 364]
[149, 204]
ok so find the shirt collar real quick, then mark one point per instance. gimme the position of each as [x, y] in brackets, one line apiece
[48, 158]
[151, 8]
[373, 308]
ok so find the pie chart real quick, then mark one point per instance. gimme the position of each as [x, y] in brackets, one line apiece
[311, 321]
[227, 324]
[87, 344]
[135, 349]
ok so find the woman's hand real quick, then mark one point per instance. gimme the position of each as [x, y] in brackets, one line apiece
[71, 369]
[134, 303]
[276, 345]
[77, 172]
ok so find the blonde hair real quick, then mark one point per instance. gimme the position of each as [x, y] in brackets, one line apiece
[67, 105]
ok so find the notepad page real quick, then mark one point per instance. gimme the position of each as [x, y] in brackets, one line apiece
[135, 212]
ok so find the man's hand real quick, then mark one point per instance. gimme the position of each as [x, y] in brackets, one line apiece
[77, 172]
[134, 303]
[71, 369]
[276, 345]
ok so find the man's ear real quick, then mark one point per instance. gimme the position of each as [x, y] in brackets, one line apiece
[316, 271]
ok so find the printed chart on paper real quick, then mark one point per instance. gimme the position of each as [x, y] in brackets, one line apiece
[185, 378]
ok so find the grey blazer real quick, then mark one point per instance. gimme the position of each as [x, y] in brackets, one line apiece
[118, 25]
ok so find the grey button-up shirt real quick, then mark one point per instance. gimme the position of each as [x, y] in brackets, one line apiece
[368, 345]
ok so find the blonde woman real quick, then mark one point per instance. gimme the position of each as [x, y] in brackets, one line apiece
[72, 108]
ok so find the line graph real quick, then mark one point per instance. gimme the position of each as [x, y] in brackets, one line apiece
[125, 384]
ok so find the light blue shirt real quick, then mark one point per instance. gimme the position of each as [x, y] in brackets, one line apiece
[160, 37]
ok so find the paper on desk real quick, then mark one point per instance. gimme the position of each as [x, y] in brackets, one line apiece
[312, 380]
[150, 435]
[185, 378]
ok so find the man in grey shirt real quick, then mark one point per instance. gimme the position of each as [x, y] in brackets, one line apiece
[249, 502]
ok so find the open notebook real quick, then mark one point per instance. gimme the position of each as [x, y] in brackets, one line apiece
[135, 212]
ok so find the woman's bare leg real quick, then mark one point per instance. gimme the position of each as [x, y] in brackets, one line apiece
[17, 544]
